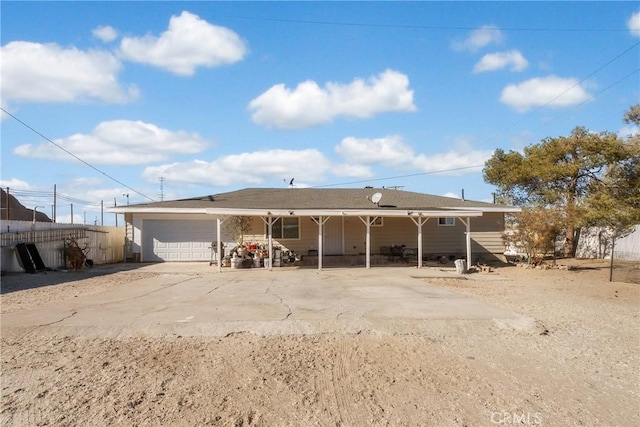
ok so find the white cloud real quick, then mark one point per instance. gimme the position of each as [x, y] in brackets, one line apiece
[552, 91]
[499, 60]
[388, 151]
[14, 183]
[310, 105]
[634, 24]
[477, 39]
[34, 72]
[353, 170]
[105, 33]
[392, 152]
[454, 162]
[308, 165]
[188, 43]
[119, 142]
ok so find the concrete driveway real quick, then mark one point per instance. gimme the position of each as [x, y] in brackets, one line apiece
[194, 299]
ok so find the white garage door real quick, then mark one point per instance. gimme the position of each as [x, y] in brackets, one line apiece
[178, 240]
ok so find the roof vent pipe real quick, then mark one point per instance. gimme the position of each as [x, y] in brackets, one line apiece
[463, 194]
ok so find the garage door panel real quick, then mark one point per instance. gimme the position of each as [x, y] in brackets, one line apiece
[178, 240]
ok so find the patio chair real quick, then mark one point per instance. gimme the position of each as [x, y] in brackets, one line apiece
[386, 252]
[409, 254]
[396, 253]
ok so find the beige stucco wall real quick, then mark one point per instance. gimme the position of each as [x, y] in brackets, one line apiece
[486, 235]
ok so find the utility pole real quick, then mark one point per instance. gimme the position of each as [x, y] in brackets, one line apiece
[101, 212]
[115, 204]
[127, 196]
[8, 206]
[54, 203]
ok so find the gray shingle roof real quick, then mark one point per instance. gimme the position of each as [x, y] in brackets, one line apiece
[319, 198]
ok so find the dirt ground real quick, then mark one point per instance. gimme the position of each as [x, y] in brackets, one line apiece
[579, 364]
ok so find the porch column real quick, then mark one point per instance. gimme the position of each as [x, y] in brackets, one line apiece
[320, 234]
[419, 222]
[367, 222]
[269, 221]
[270, 231]
[320, 221]
[219, 244]
[368, 244]
[468, 233]
[467, 222]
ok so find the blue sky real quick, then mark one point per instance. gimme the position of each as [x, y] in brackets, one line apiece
[215, 97]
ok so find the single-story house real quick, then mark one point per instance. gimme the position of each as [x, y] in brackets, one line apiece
[320, 222]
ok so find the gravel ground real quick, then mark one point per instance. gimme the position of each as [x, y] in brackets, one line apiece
[578, 364]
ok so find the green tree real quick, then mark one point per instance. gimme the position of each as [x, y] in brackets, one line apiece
[558, 172]
[534, 231]
[614, 201]
[237, 227]
[632, 115]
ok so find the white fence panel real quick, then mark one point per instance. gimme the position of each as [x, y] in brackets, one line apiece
[595, 242]
[627, 248]
[104, 244]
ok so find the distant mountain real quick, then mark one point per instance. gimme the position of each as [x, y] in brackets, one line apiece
[17, 211]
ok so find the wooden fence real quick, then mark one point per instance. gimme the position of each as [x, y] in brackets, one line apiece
[103, 244]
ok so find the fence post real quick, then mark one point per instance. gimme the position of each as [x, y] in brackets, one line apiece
[613, 246]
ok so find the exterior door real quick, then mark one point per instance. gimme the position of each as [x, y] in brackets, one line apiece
[333, 243]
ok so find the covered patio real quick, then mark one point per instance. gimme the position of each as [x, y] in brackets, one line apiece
[368, 218]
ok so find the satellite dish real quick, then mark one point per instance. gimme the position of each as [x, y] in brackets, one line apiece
[376, 198]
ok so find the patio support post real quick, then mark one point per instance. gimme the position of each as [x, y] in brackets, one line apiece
[368, 249]
[270, 228]
[219, 244]
[219, 222]
[419, 222]
[467, 222]
[320, 221]
[367, 222]
[269, 221]
[320, 249]
[468, 242]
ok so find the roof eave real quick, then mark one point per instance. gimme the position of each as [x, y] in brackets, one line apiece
[126, 209]
[342, 212]
[503, 209]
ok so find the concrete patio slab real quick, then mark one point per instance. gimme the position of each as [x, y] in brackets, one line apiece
[201, 301]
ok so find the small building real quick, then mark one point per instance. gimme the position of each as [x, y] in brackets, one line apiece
[364, 222]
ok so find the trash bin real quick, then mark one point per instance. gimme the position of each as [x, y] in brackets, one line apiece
[461, 266]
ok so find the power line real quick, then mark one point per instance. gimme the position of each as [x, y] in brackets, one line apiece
[592, 97]
[73, 155]
[538, 108]
[411, 175]
[515, 123]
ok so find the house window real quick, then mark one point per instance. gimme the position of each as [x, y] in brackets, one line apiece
[446, 222]
[285, 228]
[376, 222]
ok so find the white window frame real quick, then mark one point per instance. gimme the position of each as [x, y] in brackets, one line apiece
[449, 221]
[281, 237]
[377, 222]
